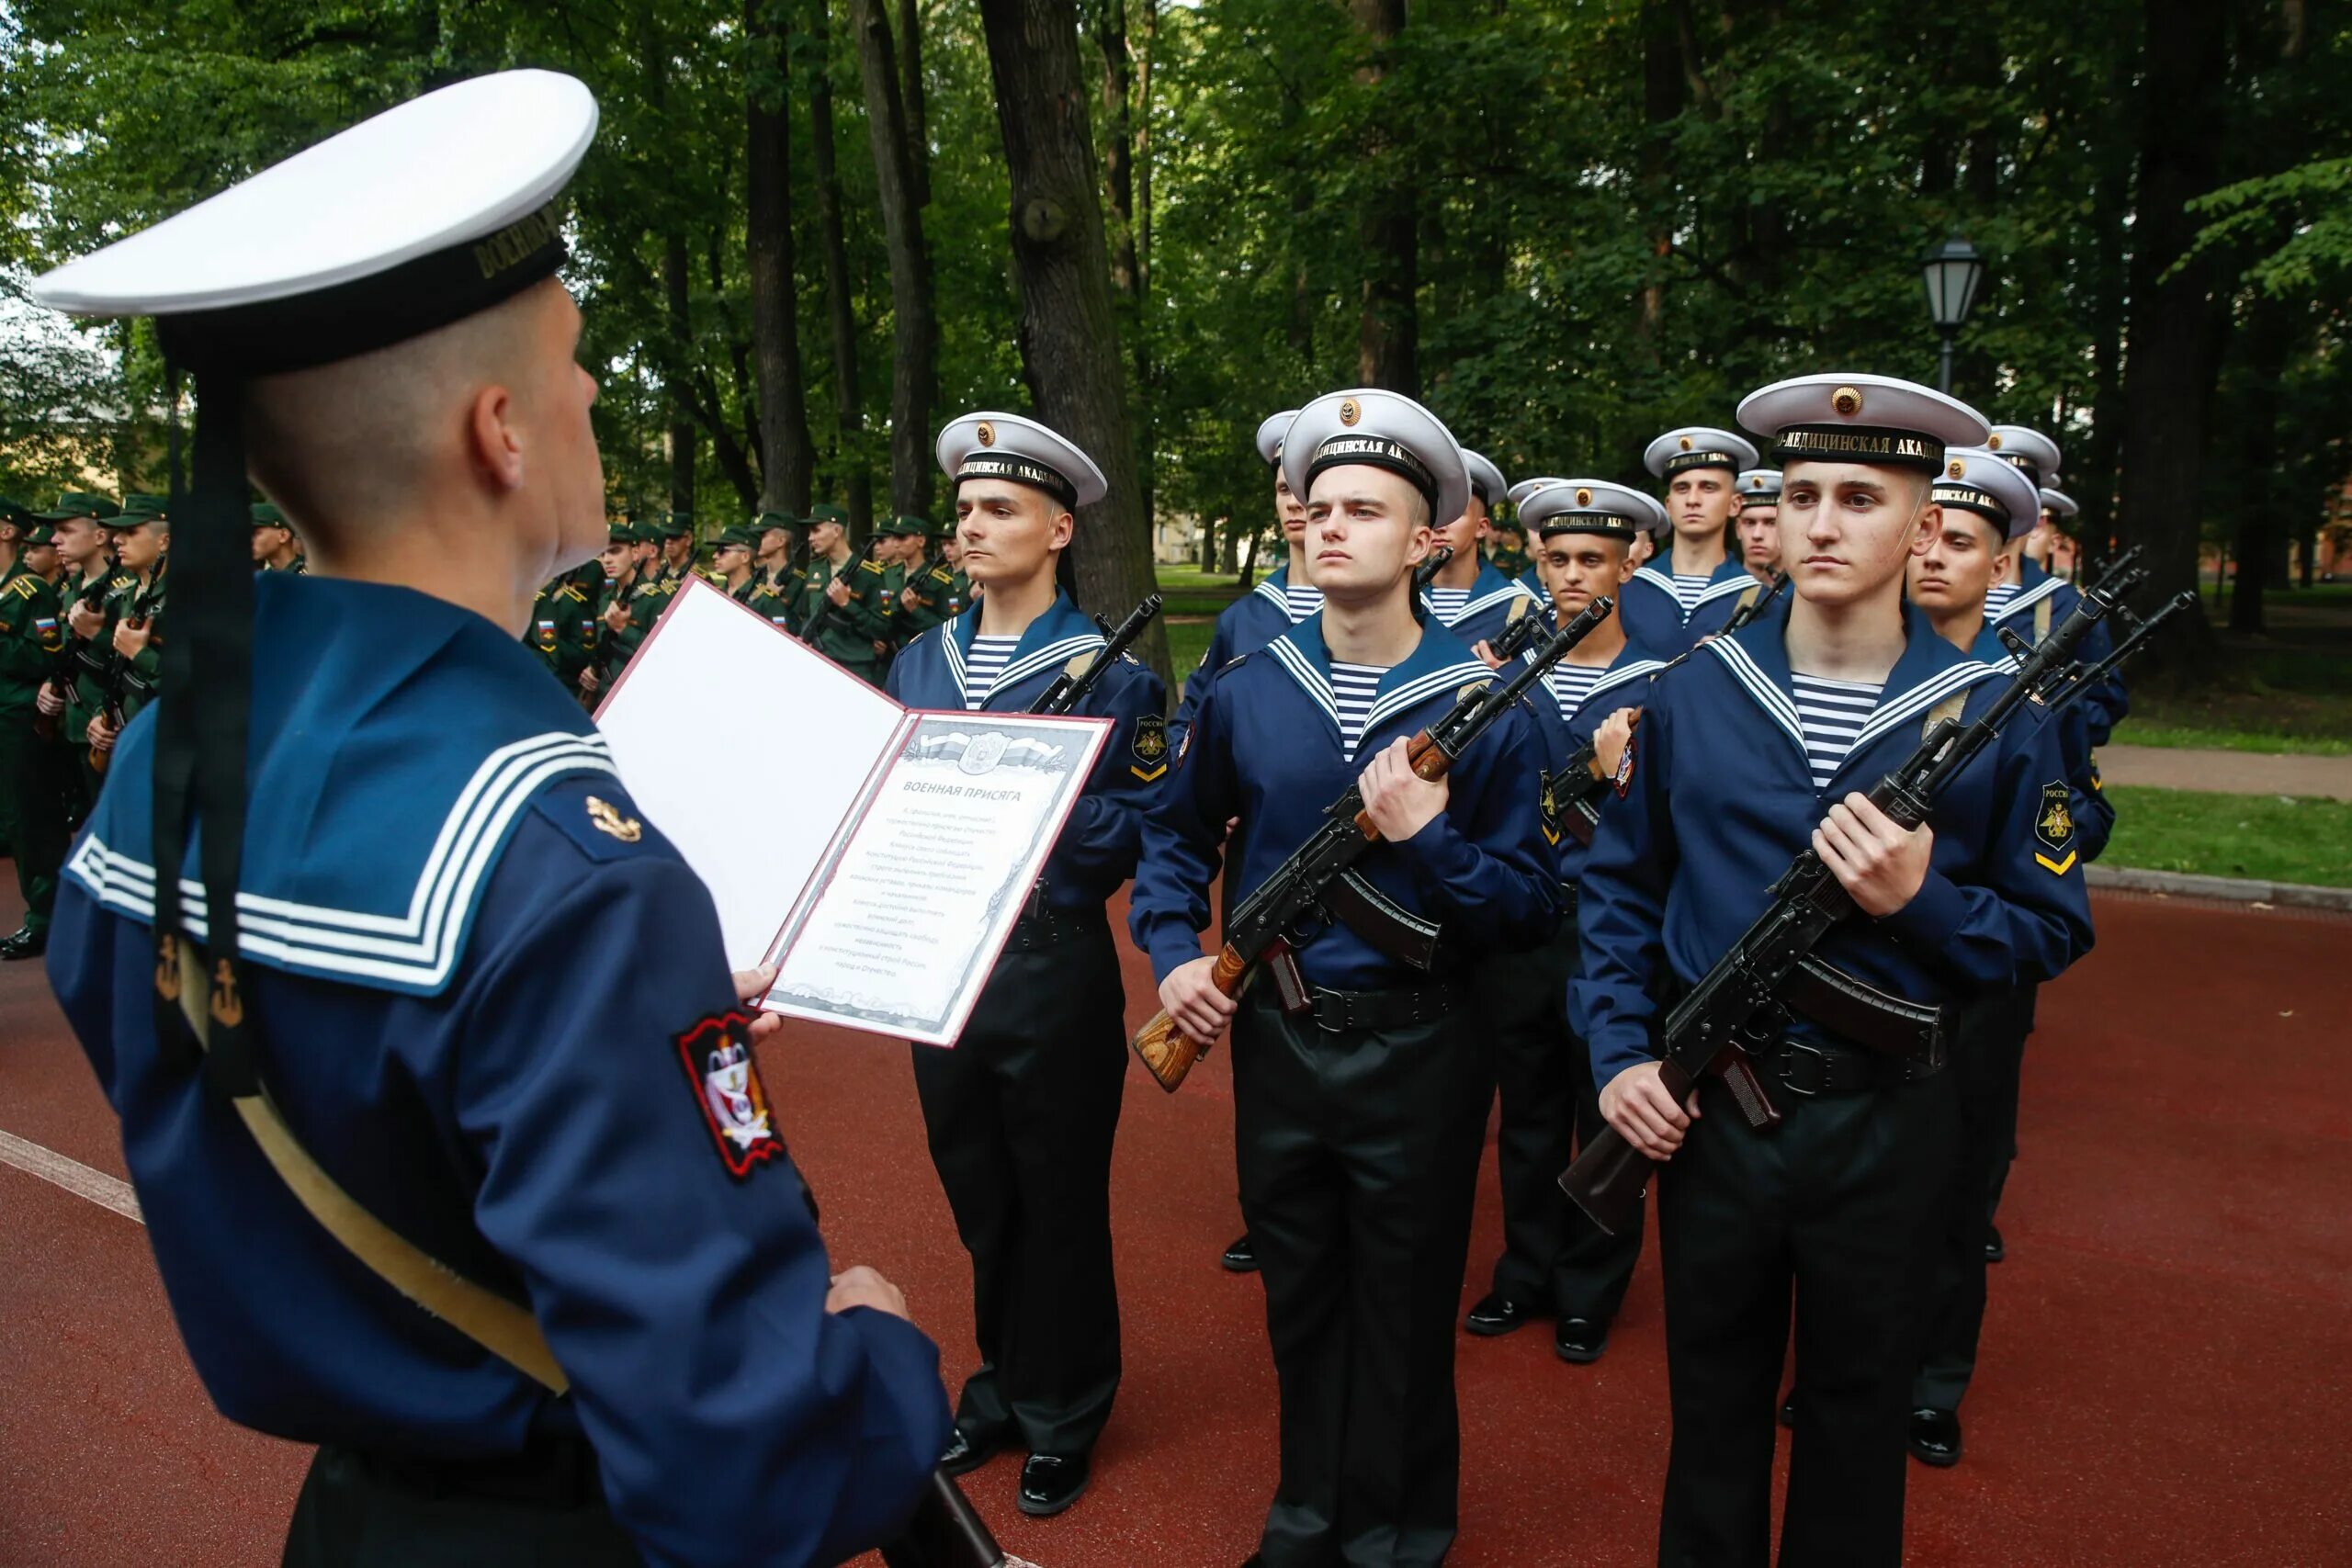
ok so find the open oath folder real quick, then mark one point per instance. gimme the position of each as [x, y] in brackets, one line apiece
[879, 855]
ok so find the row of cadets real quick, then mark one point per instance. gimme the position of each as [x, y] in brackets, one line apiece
[1359, 1122]
[1531, 578]
[1987, 505]
[1556, 1262]
[1470, 597]
[535, 1071]
[1022, 1111]
[1753, 750]
[33, 781]
[1694, 585]
[856, 633]
[1758, 524]
[2028, 598]
[732, 561]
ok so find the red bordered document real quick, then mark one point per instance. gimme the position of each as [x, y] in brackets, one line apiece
[879, 854]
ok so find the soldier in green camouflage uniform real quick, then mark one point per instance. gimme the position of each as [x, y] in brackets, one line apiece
[135, 626]
[852, 584]
[85, 524]
[274, 544]
[674, 544]
[777, 534]
[931, 596]
[33, 811]
[744, 584]
[563, 623]
[630, 606]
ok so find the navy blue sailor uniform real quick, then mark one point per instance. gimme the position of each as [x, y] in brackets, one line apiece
[1554, 1259]
[1247, 624]
[2043, 601]
[492, 1002]
[1022, 1112]
[1657, 617]
[1840, 1201]
[1491, 603]
[1359, 1123]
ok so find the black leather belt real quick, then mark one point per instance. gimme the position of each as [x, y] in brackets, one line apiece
[1340, 1012]
[1805, 1069]
[1047, 927]
[554, 1469]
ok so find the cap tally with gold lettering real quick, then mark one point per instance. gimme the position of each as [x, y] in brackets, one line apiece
[1592, 506]
[1976, 479]
[1874, 421]
[1271, 431]
[1007, 446]
[2028, 449]
[1758, 486]
[1698, 447]
[1367, 427]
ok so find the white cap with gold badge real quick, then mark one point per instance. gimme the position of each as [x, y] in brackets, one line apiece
[1874, 421]
[1592, 506]
[1270, 432]
[1525, 488]
[2058, 503]
[1370, 427]
[2028, 449]
[1760, 487]
[1486, 479]
[1007, 446]
[1976, 479]
[1698, 447]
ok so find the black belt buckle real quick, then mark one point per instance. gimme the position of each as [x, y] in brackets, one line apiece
[1805, 1069]
[1334, 1011]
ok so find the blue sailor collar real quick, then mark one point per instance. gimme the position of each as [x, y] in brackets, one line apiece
[1061, 633]
[1491, 587]
[390, 761]
[1633, 662]
[1275, 586]
[1929, 670]
[1439, 665]
[1729, 577]
[2030, 592]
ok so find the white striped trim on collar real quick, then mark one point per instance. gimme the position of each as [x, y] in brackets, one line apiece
[1028, 664]
[1266, 589]
[1310, 680]
[1713, 592]
[1623, 673]
[1420, 688]
[1776, 703]
[416, 949]
[1514, 589]
[1919, 699]
[2029, 598]
[1658, 580]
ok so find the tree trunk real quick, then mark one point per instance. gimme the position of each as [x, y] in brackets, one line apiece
[1388, 329]
[675, 284]
[1068, 342]
[2092, 482]
[848, 403]
[2168, 376]
[910, 97]
[914, 366]
[1662, 88]
[1109, 30]
[787, 457]
[2268, 336]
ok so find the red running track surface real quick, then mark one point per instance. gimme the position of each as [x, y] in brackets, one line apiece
[2165, 1357]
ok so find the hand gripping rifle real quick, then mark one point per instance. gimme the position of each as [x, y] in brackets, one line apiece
[139, 612]
[825, 605]
[1319, 881]
[62, 663]
[1067, 690]
[1737, 1009]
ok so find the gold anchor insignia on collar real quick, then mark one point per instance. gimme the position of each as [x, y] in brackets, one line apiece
[627, 830]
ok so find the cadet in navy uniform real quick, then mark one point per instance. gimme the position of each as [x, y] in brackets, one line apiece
[1532, 578]
[1555, 1260]
[1282, 599]
[1758, 526]
[1358, 1122]
[478, 987]
[1021, 1109]
[1986, 504]
[1696, 580]
[2030, 601]
[1755, 749]
[1470, 597]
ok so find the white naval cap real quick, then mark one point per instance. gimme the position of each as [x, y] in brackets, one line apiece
[2058, 503]
[1486, 479]
[429, 212]
[1592, 506]
[2028, 449]
[1371, 427]
[1526, 487]
[1760, 487]
[1847, 417]
[1976, 479]
[1007, 446]
[1270, 432]
[1698, 447]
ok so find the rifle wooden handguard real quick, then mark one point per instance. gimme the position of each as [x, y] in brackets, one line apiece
[1168, 1053]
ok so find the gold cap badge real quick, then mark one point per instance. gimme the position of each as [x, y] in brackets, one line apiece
[1847, 400]
[1992, 443]
[1584, 498]
[1956, 468]
[987, 433]
[1685, 444]
[1349, 411]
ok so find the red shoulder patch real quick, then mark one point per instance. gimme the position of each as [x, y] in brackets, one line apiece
[717, 1055]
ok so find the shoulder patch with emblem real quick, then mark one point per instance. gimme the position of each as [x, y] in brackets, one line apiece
[717, 1055]
[1624, 779]
[1150, 749]
[597, 820]
[1547, 806]
[2053, 829]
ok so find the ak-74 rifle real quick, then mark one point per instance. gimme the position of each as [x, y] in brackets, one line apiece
[1426, 573]
[1319, 881]
[1750, 608]
[825, 605]
[2082, 677]
[139, 612]
[61, 663]
[1067, 690]
[1739, 1009]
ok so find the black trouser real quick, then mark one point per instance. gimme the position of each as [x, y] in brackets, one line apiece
[1988, 1035]
[1359, 1155]
[32, 813]
[1554, 1259]
[544, 1510]
[2004, 1136]
[1836, 1209]
[1020, 1115]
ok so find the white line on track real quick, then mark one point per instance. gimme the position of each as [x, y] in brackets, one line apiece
[71, 1174]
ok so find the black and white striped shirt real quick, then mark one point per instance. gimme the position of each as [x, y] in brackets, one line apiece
[1301, 600]
[987, 660]
[1571, 684]
[1687, 589]
[1998, 597]
[1353, 687]
[1447, 603]
[1831, 714]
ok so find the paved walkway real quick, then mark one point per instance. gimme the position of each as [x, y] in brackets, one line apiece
[2227, 772]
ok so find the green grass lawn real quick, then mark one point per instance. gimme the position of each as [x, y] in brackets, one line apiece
[2268, 838]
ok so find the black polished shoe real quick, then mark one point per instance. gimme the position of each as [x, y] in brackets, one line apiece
[23, 942]
[1580, 1339]
[1498, 1314]
[964, 1454]
[1049, 1484]
[1994, 1248]
[1240, 1258]
[1788, 1409]
[1935, 1437]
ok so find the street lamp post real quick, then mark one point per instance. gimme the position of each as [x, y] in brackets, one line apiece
[1954, 272]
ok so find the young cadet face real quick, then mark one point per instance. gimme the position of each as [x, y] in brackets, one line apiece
[264, 543]
[1579, 566]
[41, 559]
[776, 545]
[1366, 529]
[139, 548]
[618, 558]
[1462, 535]
[1010, 532]
[1759, 537]
[1848, 528]
[1644, 548]
[732, 558]
[80, 542]
[1289, 509]
[823, 535]
[1700, 502]
[1958, 566]
[678, 549]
